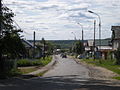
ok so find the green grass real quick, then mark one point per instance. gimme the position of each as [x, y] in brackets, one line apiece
[108, 64]
[38, 62]
[41, 74]
[27, 63]
[118, 78]
[27, 70]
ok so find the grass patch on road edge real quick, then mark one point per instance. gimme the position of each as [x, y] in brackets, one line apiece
[27, 70]
[40, 74]
[118, 78]
[37, 63]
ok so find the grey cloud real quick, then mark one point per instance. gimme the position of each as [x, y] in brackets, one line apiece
[81, 15]
[77, 9]
[49, 7]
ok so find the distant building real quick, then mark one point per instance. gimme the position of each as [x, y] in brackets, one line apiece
[101, 51]
[30, 47]
[115, 37]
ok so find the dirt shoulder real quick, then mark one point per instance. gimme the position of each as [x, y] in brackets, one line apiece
[97, 72]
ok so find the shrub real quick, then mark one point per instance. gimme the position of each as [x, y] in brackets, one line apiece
[24, 62]
[41, 62]
[117, 55]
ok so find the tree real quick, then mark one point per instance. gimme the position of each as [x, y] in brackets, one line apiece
[10, 42]
[43, 43]
[49, 48]
[117, 55]
[78, 47]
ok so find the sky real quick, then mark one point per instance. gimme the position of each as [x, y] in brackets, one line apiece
[57, 19]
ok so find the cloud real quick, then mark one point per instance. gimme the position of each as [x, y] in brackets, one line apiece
[55, 19]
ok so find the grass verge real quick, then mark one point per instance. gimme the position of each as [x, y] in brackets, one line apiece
[26, 64]
[40, 74]
[27, 70]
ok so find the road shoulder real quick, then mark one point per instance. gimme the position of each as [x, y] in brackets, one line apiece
[97, 72]
[43, 69]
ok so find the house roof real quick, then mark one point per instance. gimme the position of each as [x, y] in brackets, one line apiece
[27, 43]
[116, 32]
[104, 42]
[105, 47]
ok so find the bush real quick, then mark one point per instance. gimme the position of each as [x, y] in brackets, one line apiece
[41, 62]
[24, 62]
[117, 55]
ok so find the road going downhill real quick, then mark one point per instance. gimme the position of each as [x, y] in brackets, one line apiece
[65, 75]
[67, 67]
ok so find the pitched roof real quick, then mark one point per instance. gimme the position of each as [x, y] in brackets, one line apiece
[27, 43]
[104, 42]
[116, 32]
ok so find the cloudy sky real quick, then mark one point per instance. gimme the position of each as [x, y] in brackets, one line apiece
[56, 19]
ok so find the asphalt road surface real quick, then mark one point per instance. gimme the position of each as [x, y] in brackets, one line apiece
[66, 67]
[66, 75]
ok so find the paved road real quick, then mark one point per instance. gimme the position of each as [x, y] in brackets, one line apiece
[66, 75]
[66, 67]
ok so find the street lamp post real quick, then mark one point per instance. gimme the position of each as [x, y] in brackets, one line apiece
[99, 27]
[82, 32]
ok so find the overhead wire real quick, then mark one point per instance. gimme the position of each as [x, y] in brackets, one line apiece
[16, 22]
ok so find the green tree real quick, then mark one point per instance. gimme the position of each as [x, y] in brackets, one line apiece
[10, 42]
[43, 48]
[49, 48]
[117, 55]
[78, 47]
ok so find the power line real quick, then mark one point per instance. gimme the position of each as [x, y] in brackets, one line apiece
[17, 23]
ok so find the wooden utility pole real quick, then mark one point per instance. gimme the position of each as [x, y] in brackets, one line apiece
[1, 63]
[34, 45]
[94, 38]
[44, 50]
[0, 17]
[82, 36]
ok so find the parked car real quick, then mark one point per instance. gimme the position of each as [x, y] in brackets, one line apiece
[80, 56]
[64, 56]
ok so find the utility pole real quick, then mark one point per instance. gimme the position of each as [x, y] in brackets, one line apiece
[0, 19]
[94, 38]
[34, 45]
[44, 49]
[1, 63]
[82, 32]
[43, 42]
[82, 36]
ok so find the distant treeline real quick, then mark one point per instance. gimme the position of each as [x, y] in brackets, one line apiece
[63, 43]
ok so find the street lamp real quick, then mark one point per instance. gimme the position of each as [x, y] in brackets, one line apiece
[74, 35]
[82, 31]
[99, 27]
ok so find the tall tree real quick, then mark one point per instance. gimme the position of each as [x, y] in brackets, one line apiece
[10, 42]
[78, 47]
